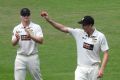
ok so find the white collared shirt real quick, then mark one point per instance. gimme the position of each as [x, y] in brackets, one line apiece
[88, 48]
[26, 45]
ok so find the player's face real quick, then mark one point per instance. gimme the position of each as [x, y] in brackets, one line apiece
[25, 18]
[87, 28]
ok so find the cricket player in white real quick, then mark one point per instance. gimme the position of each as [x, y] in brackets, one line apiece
[27, 34]
[89, 43]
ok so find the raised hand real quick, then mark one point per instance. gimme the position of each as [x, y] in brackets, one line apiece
[44, 14]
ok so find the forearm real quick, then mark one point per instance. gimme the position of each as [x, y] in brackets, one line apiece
[104, 61]
[103, 65]
[54, 24]
[57, 25]
[14, 42]
[37, 39]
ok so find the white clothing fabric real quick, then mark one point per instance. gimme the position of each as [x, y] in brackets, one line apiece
[27, 52]
[24, 63]
[26, 45]
[84, 72]
[88, 48]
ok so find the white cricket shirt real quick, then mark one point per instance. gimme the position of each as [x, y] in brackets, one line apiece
[26, 45]
[88, 48]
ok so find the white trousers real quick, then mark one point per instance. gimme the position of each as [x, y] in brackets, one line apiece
[84, 72]
[23, 63]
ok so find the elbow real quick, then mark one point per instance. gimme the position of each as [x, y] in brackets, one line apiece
[40, 41]
[13, 43]
[64, 29]
[106, 55]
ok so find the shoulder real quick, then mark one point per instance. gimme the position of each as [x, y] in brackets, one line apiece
[100, 35]
[75, 31]
[35, 26]
[17, 26]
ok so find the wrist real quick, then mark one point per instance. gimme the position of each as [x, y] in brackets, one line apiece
[47, 19]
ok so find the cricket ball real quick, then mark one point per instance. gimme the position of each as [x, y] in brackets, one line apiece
[43, 14]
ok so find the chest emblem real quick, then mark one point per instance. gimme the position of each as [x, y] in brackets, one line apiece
[94, 39]
[25, 37]
[88, 46]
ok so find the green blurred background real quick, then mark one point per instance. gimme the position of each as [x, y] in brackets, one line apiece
[58, 53]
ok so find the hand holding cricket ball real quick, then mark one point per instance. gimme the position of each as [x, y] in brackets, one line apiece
[44, 14]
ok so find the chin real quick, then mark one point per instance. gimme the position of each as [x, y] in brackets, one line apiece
[26, 20]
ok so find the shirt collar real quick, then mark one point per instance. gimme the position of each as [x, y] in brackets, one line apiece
[94, 34]
[21, 25]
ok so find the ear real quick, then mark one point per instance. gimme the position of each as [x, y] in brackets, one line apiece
[90, 25]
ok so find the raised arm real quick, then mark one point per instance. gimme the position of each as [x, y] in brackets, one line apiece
[53, 23]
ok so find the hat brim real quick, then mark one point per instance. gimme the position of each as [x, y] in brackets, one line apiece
[80, 22]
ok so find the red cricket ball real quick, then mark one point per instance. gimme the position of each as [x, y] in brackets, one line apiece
[43, 14]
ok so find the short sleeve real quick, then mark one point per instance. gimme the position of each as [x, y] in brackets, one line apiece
[75, 31]
[104, 44]
[39, 32]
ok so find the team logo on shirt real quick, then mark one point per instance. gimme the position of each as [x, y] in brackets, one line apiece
[83, 38]
[94, 39]
[88, 46]
[25, 37]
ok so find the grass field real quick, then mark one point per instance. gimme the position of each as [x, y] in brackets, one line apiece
[58, 53]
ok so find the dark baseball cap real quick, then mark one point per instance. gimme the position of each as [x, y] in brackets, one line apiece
[25, 12]
[87, 20]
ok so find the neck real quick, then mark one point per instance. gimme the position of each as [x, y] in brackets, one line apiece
[90, 32]
[25, 23]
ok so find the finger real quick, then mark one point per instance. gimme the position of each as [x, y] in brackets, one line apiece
[99, 76]
[16, 33]
[44, 14]
[17, 36]
[26, 30]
